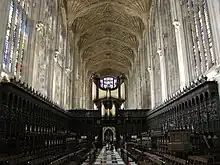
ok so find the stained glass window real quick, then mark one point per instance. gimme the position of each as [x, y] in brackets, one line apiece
[18, 43]
[23, 46]
[8, 38]
[197, 20]
[13, 43]
[16, 37]
[108, 82]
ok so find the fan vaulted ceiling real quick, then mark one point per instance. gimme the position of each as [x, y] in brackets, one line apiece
[110, 32]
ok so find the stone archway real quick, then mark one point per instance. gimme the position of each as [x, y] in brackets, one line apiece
[105, 129]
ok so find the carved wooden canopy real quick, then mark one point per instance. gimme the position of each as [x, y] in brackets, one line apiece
[110, 32]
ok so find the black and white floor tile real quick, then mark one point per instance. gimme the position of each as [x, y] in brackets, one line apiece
[107, 157]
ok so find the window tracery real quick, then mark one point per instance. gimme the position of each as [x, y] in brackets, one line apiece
[16, 37]
[108, 82]
[20, 35]
[8, 36]
[198, 33]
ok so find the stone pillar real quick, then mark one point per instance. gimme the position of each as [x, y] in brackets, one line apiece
[77, 83]
[64, 74]
[137, 86]
[149, 52]
[91, 104]
[163, 74]
[77, 73]
[181, 54]
[35, 47]
[87, 92]
[71, 66]
[144, 65]
[132, 91]
[50, 77]
[135, 90]
[142, 78]
[28, 57]
[139, 73]
[152, 87]
[147, 65]
[180, 40]
[81, 84]
[129, 98]
[83, 93]
[32, 43]
[55, 53]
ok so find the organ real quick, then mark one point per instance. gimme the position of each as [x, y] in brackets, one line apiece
[108, 93]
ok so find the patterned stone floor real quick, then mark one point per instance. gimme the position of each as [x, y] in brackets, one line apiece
[107, 157]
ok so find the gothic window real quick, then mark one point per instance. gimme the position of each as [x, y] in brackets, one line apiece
[8, 36]
[18, 43]
[108, 82]
[207, 26]
[23, 46]
[198, 33]
[16, 37]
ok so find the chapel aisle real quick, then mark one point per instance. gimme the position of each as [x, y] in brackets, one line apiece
[108, 157]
